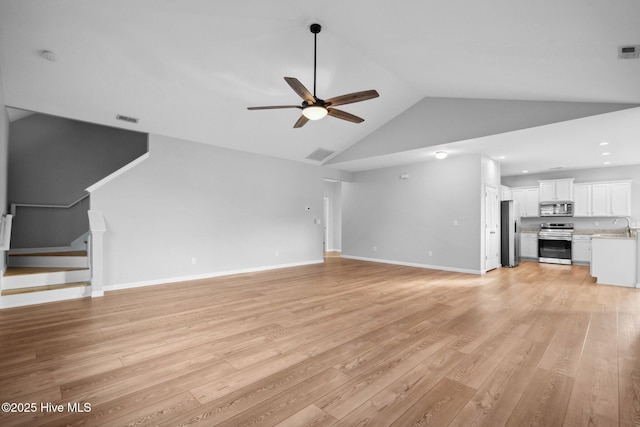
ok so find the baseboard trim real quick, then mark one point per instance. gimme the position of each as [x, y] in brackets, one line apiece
[413, 264]
[130, 285]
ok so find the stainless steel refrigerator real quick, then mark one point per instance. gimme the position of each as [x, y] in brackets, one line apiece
[509, 234]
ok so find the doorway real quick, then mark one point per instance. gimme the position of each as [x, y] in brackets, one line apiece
[492, 227]
[327, 225]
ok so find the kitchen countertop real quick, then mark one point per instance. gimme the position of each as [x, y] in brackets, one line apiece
[618, 236]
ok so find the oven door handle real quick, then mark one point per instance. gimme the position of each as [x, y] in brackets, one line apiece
[568, 239]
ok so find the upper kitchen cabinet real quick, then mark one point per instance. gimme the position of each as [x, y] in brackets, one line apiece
[505, 193]
[527, 201]
[603, 199]
[556, 189]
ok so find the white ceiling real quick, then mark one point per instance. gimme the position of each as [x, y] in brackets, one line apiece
[190, 68]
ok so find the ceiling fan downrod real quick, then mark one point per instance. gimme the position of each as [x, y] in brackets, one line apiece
[315, 29]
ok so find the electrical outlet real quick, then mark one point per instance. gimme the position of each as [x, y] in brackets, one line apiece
[277, 252]
[455, 222]
[193, 260]
[375, 249]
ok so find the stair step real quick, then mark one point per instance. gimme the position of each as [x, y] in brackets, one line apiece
[21, 271]
[77, 259]
[29, 277]
[59, 253]
[6, 292]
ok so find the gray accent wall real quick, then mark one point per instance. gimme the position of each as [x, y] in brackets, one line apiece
[435, 121]
[51, 161]
[398, 220]
[4, 163]
[195, 210]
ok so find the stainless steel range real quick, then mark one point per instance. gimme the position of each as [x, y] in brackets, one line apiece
[554, 243]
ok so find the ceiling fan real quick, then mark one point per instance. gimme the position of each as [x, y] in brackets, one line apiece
[314, 108]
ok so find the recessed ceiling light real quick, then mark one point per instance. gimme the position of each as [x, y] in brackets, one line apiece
[604, 143]
[606, 153]
[525, 171]
[441, 155]
[606, 163]
[502, 157]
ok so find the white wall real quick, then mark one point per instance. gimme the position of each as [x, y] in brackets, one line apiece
[400, 220]
[231, 211]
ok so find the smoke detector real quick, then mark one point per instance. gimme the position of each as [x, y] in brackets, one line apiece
[48, 55]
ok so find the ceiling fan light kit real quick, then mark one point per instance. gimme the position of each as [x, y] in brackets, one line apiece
[314, 108]
[314, 112]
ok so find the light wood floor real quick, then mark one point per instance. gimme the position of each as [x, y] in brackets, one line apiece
[347, 343]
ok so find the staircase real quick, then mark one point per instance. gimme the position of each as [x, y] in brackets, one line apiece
[44, 275]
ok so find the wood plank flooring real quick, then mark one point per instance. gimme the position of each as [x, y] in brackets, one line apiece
[345, 343]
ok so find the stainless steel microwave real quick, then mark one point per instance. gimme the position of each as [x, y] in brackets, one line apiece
[556, 208]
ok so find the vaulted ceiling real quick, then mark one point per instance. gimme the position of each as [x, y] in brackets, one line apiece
[190, 68]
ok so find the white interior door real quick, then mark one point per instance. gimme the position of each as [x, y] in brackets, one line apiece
[326, 224]
[492, 227]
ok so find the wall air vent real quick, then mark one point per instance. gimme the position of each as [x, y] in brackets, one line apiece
[127, 118]
[629, 52]
[320, 154]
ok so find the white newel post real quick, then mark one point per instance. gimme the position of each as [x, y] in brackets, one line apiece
[96, 252]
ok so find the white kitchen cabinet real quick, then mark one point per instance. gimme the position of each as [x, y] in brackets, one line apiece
[527, 201]
[554, 190]
[581, 249]
[529, 245]
[602, 199]
[620, 198]
[505, 193]
[582, 200]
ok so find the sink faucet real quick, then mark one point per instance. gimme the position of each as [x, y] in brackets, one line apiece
[615, 221]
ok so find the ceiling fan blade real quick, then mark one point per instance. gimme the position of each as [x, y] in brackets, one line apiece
[352, 97]
[273, 107]
[339, 114]
[301, 122]
[299, 88]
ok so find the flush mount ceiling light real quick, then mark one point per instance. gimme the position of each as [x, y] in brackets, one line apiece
[604, 143]
[605, 154]
[441, 155]
[314, 108]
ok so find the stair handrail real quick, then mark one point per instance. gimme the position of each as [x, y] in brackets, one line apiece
[5, 232]
[15, 206]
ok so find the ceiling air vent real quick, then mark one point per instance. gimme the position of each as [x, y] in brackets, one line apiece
[127, 118]
[629, 52]
[320, 154]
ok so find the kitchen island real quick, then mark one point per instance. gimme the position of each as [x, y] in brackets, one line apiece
[614, 259]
